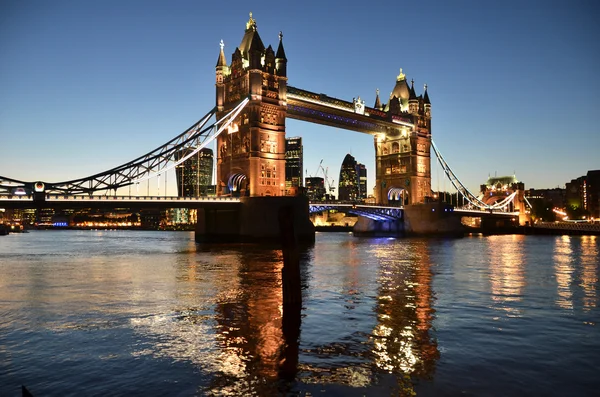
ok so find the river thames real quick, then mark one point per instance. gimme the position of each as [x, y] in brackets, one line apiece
[110, 313]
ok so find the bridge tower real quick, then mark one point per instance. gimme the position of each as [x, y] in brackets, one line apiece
[402, 155]
[251, 154]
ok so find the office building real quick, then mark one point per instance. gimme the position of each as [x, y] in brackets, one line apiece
[348, 185]
[194, 175]
[361, 172]
[293, 163]
[315, 188]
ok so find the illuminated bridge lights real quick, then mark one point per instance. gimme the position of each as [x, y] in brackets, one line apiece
[333, 117]
[377, 213]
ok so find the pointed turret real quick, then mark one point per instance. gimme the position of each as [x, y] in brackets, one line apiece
[412, 94]
[426, 97]
[426, 103]
[269, 65]
[413, 101]
[222, 61]
[221, 71]
[280, 50]
[377, 100]
[280, 58]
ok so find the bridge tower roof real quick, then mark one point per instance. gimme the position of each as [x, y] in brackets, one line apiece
[251, 40]
[401, 89]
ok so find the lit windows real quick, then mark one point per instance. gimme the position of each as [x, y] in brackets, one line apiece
[268, 175]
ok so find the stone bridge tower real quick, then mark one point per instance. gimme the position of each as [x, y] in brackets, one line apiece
[251, 154]
[402, 156]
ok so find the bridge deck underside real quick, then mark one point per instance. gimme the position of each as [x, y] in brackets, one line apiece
[372, 212]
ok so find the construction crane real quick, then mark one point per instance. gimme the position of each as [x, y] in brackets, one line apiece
[330, 186]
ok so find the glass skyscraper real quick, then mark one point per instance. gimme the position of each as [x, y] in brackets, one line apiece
[348, 182]
[293, 162]
[361, 171]
[194, 175]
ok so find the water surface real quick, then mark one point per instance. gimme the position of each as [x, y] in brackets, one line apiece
[150, 313]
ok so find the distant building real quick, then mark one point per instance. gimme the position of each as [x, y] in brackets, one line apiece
[315, 188]
[44, 216]
[584, 193]
[194, 175]
[554, 196]
[348, 185]
[361, 171]
[496, 190]
[178, 216]
[293, 162]
[593, 193]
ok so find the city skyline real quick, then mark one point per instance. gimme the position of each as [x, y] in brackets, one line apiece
[87, 87]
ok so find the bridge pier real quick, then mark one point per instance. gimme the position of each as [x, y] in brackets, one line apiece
[255, 220]
[435, 218]
[432, 218]
[369, 227]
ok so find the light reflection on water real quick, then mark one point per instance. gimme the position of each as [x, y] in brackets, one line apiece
[507, 273]
[563, 257]
[589, 272]
[150, 313]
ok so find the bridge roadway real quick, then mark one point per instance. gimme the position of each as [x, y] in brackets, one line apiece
[372, 211]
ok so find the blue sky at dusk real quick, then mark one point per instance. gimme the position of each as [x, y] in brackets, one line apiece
[88, 85]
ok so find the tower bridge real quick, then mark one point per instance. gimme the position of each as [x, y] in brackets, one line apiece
[253, 100]
[250, 158]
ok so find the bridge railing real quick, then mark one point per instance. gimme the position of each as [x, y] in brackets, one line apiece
[15, 197]
[52, 197]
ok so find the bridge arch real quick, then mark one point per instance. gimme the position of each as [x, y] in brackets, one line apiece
[238, 184]
[396, 194]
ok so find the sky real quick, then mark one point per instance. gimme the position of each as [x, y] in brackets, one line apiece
[89, 85]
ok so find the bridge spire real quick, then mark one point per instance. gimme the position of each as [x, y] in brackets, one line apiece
[411, 92]
[426, 96]
[280, 50]
[251, 24]
[401, 76]
[413, 101]
[222, 60]
[280, 58]
[377, 100]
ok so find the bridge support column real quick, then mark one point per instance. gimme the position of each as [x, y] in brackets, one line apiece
[255, 221]
[432, 218]
[369, 227]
